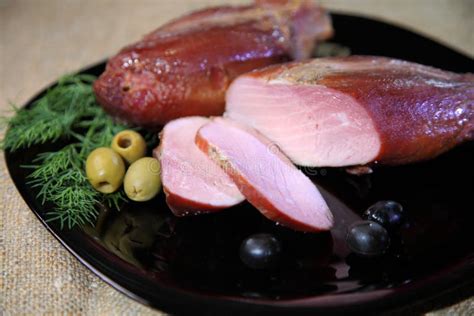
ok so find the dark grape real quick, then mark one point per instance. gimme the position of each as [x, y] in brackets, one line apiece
[389, 214]
[367, 238]
[260, 251]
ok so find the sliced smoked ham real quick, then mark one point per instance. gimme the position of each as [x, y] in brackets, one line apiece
[356, 110]
[265, 176]
[192, 183]
[184, 67]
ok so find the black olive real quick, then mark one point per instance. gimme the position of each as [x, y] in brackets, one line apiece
[389, 214]
[260, 251]
[367, 238]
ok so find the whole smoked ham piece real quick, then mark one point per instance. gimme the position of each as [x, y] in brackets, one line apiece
[265, 176]
[184, 67]
[345, 111]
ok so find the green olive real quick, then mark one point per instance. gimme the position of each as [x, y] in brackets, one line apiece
[142, 181]
[105, 170]
[130, 145]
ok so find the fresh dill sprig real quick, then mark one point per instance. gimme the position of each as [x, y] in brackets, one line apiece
[67, 112]
[52, 116]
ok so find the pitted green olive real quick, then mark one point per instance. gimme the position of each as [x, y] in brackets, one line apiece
[105, 170]
[142, 181]
[130, 145]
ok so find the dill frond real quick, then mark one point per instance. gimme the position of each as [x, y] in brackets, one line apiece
[67, 112]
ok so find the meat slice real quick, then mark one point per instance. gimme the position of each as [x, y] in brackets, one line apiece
[192, 183]
[265, 176]
[356, 110]
[184, 67]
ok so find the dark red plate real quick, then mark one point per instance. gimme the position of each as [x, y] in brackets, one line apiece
[189, 265]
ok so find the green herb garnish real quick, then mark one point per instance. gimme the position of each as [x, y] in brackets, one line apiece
[67, 112]
[54, 116]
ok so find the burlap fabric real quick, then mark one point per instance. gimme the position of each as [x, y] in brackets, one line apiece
[42, 39]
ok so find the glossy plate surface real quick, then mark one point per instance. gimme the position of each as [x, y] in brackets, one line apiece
[192, 264]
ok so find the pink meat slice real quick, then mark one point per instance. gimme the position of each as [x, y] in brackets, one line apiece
[356, 110]
[314, 126]
[265, 176]
[192, 183]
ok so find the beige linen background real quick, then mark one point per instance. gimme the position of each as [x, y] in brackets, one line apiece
[43, 39]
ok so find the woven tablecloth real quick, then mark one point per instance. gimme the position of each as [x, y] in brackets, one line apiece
[42, 39]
